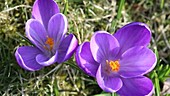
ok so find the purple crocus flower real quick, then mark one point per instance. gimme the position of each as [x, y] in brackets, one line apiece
[47, 31]
[119, 61]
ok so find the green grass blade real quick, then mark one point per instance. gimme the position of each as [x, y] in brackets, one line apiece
[120, 7]
[157, 86]
[65, 7]
[162, 4]
[114, 94]
[56, 89]
[157, 54]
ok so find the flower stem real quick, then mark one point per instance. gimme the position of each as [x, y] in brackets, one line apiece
[65, 7]
[113, 94]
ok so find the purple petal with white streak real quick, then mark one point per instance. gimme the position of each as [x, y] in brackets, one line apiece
[139, 86]
[36, 33]
[133, 34]
[44, 10]
[57, 28]
[137, 61]
[85, 59]
[67, 48]
[108, 83]
[25, 57]
[104, 46]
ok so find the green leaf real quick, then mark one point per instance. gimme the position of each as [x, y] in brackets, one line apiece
[65, 7]
[104, 94]
[162, 4]
[157, 86]
[157, 54]
[56, 89]
[114, 22]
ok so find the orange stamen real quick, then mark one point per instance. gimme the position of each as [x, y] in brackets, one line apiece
[114, 65]
[50, 42]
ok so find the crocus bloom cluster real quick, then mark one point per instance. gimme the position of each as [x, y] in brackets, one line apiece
[120, 61]
[47, 31]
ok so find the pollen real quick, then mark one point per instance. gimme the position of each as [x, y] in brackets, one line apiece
[114, 65]
[50, 42]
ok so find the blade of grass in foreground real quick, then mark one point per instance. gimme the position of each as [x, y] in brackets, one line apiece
[56, 89]
[162, 4]
[114, 22]
[65, 7]
[157, 86]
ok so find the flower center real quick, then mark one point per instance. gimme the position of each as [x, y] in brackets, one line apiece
[50, 42]
[114, 65]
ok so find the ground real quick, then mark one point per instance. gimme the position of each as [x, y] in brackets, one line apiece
[85, 17]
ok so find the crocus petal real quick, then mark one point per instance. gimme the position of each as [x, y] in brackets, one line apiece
[57, 28]
[103, 46]
[133, 34]
[108, 83]
[25, 57]
[137, 61]
[36, 33]
[85, 59]
[46, 61]
[67, 48]
[138, 86]
[44, 10]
